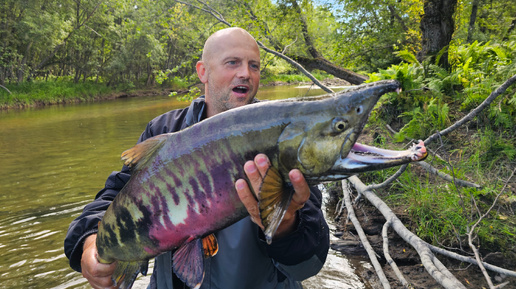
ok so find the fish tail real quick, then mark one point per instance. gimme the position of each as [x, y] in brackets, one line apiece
[126, 272]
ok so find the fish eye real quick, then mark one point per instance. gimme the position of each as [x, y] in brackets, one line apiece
[339, 124]
[359, 109]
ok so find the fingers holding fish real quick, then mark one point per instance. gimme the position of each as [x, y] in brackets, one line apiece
[256, 170]
[249, 201]
[301, 188]
[98, 274]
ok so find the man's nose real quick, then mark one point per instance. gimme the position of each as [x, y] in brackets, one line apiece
[244, 72]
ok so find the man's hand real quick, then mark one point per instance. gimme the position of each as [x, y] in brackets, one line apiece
[255, 170]
[98, 274]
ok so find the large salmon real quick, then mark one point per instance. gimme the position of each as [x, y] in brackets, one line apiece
[182, 184]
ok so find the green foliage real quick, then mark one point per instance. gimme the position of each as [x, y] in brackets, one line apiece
[189, 96]
[429, 90]
[423, 122]
[443, 214]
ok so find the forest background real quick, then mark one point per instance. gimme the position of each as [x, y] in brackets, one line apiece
[449, 55]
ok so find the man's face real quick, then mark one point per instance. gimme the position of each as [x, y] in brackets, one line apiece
[232, 72]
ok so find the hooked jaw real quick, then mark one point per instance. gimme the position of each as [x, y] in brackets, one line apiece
[364, 158]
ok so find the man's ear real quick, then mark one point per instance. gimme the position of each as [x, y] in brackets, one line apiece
[201, 71]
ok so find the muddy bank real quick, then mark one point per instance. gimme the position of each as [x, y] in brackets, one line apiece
[404, 255]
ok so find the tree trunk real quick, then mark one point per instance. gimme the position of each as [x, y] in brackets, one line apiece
[437, 27]
[21, 69]
[472, 19]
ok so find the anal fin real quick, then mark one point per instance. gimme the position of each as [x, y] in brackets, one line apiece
[274, 199]
[126, 272]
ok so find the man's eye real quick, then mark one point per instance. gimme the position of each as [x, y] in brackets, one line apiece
[231, 62]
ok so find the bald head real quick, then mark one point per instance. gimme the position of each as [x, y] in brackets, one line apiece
[229, 69]
[221, 39]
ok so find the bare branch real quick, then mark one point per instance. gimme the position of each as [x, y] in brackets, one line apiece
[389, 180]
[440, 273]
[472, 230]
[470, 260]
[447, 177]
[388, 257]
[362, 235]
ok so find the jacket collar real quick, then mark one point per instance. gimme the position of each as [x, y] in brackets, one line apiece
[196, 111]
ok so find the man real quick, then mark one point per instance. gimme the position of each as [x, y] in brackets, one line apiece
[230, 71]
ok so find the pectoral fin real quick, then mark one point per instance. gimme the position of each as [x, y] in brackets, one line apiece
[188, 260]
[274, 199]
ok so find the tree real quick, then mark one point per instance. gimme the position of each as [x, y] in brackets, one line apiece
[437, 27]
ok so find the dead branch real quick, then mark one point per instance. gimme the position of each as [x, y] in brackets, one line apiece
[388, 257]
[470, 260]
[370, 251]
[440, 273]
[447, 177]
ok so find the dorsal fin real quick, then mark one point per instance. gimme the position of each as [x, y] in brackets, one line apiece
[138, 155]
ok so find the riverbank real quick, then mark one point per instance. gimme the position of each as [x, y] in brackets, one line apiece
[44, 93]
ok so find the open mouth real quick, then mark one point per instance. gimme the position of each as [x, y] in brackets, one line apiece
[241, 89]
[363, 158]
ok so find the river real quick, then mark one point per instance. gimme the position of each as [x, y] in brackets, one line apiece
[53, 160]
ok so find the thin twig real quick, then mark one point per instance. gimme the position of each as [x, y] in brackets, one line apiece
[472, 230]
[6, 89]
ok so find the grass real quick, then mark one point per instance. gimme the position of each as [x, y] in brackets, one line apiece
[51, 92]
[441, 213]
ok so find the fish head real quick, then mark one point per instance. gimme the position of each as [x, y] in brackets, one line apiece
[328, 128]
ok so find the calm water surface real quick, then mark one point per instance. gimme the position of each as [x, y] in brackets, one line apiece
[55, 159]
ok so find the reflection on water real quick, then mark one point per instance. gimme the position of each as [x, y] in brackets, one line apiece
[54, 160]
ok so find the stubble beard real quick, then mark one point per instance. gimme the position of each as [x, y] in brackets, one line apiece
[222, 99]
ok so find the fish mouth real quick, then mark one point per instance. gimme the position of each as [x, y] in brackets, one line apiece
[363, 158]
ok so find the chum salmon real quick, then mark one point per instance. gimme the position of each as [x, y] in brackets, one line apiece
[181, 188]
